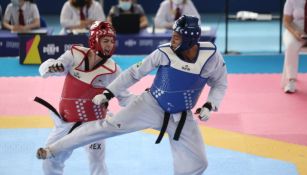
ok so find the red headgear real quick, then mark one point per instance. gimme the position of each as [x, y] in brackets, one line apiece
[98, 30]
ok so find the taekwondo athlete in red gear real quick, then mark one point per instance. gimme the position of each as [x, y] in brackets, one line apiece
[88, 71]
[185, 66]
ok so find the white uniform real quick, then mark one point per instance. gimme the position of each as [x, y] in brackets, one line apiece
[96, 150]
[70, 16]
[144, 112]
[294, 8]
[30, 13]
[166, 12]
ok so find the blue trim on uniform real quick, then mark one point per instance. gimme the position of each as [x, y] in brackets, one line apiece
[206, 48]
[164, 45]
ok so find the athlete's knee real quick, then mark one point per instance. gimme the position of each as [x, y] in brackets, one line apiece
[116, 125]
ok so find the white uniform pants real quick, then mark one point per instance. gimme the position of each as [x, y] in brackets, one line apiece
[95, 152]
[143, 112]
[292, 47]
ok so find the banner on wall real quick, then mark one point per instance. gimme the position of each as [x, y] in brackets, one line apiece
[36, 49]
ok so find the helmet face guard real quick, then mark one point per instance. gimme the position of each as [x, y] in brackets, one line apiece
[190, 31]
[98, 30]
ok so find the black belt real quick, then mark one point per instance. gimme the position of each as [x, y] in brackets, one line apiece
[178, 129]
[74, 127]
[50, 107]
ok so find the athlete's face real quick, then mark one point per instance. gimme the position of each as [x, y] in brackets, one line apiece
[107, 44]
[176, 40]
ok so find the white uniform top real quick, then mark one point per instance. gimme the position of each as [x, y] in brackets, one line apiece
[70, 16]
[166, 12]
[295, 8]
[30, 13]
[68, 62]
[215, 71]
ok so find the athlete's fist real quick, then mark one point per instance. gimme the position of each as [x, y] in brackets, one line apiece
[204, 112]
[51, 67]
[103, 98]
[56, 67]
[100, 99]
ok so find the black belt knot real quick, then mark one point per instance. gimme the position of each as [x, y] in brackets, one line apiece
[178, 129]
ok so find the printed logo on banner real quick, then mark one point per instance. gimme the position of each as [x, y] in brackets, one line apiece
[51, 49]
[68, 46]
[32, 53]
[11, 44]
[44, 47]
[146, 42]
[130, 43]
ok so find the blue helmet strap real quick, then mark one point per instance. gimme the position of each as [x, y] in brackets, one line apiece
[186, 43]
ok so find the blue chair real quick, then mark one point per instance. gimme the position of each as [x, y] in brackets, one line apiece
[43, 22]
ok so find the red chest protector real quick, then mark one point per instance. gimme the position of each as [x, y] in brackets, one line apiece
[78, 90]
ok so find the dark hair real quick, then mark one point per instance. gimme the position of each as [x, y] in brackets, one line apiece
[87, 3]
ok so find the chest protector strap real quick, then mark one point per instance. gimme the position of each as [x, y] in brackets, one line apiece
[178, 129]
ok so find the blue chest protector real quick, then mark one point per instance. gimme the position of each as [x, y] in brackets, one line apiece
[177, 86]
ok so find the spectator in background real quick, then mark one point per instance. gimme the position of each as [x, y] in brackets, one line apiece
[21, 15]
[128, 7]
[171, 10]
[295, 29]
[80, 14]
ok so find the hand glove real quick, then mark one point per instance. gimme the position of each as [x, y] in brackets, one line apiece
[56, 67]
[204, 112]
[49, 67]
[103, 98]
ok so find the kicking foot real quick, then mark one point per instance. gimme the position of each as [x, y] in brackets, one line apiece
[43, 153]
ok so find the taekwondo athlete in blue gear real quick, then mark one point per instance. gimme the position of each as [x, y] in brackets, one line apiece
[169, 90]
[185, 66]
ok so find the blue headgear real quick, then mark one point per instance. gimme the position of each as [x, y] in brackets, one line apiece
[189, 29]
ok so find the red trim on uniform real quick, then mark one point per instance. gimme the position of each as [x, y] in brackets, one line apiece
[75, 47]
[84, 54]
[111, 71]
